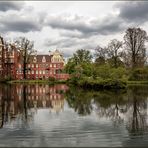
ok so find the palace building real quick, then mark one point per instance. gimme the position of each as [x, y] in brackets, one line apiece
[39, 66]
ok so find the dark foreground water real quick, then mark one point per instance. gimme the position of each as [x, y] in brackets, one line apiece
[42, 115]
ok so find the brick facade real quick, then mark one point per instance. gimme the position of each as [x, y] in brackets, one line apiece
[39, 66]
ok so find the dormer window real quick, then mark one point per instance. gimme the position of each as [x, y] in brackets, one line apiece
[35, 60]
[43, 59]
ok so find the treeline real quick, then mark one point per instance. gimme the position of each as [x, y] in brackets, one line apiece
[112, 65]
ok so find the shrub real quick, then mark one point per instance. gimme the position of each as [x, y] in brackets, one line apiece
[52, 79]
[139, 74]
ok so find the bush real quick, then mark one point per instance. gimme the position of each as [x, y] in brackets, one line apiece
[118, 73]
[88, 82]
[139, 74]
[51, 79]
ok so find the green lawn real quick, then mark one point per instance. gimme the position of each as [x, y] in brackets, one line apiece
[37, 81]
[137, 82]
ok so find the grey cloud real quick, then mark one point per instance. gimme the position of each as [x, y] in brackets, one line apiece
[72, 34]
[110, 26]
[67, 53]
[70, 45]
[134, 11]
[18, 23]
[83, 28]
[8, 5]
[61, 43]
[77, 24]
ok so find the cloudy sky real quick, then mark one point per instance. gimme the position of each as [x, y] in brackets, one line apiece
[69, 26]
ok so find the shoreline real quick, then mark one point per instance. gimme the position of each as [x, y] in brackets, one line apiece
[34, 82]
[89, 85]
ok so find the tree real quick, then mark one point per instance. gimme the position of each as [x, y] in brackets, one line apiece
[70, 66]
[82, 56]
[25, 48]
[100, 54]
[134, 41]
[77, 63]
[114, 53]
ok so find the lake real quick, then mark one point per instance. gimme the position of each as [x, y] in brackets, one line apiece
[42, 115]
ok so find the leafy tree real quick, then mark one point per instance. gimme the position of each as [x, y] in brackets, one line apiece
[70, 66]
[82, 56]
[79, 63]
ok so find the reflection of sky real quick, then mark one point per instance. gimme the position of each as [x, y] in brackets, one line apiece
[64, 129]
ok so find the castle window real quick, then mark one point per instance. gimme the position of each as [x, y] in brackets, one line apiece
[43, 59]
[44, 65]
[36, 65]
[43, 71]
[35, 60]
[46, 71]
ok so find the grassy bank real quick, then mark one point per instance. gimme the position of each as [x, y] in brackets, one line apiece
[87, 83]
[36, 81]
[137, 82]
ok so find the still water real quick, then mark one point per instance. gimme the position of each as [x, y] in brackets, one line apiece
[42, 115]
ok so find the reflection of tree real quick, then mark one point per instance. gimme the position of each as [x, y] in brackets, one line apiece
[25, 102]
[110, 104]
[137, 112]
[118, 105]
[6, 101]
[27, 113]
[10, 106]
[80, 102]
[1, 112]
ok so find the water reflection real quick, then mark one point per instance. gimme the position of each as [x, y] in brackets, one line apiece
[25, 100]
[73, 113]
[128, 106]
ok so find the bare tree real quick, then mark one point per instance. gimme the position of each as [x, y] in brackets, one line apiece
[100, 54]
[25, 48]
[134, 41]
[113, 51]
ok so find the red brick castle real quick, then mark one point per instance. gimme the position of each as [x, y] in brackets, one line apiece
[39, 66]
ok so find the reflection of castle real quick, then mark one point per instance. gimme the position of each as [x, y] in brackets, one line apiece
[13, 103]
